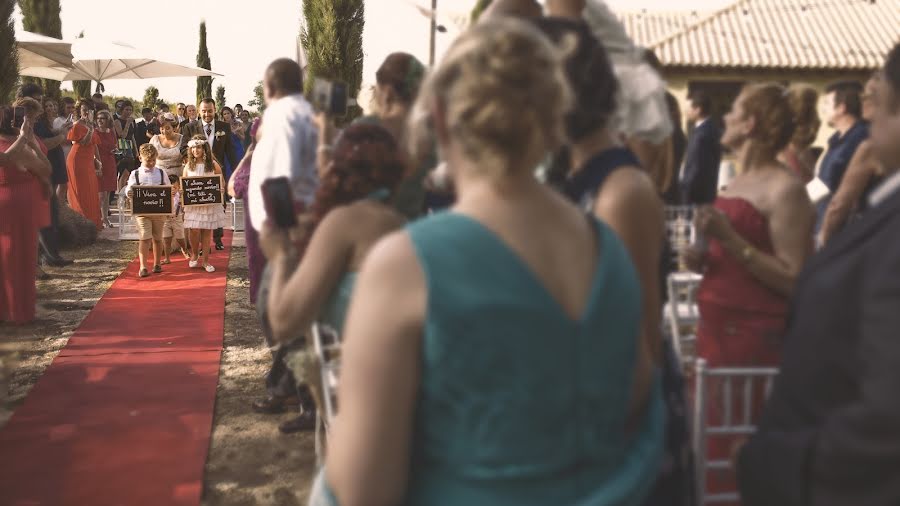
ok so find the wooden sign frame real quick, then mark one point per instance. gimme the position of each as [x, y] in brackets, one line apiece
[184, 191]
[137, 188]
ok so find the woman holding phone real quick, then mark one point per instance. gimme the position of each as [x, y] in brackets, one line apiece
[84, 163]
[351, 212]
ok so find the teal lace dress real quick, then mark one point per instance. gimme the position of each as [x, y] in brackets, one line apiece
[519, 403]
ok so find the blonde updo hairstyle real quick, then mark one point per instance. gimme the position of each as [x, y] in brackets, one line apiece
[504, 96]
[804, 100]
[768, 104]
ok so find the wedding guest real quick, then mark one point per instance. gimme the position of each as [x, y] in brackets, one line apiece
[124, 126]
[700, 176]
[798, 155]
[830, 431]
[146, 129]
[84, 163]
[235, 132]
[473, 334]
[397, 85]
[53, 141]
[247, 121]
[237, 188]
[41, 206]
[23, 167]
[287, 149]
[97, 98]
[843, 113]
[758, 234]
[108, 180]
[180, 112]
[238, 110]
[189, 121]
[605, 178]
[62, 124]
[864, 174]
[168, 144]
[351, 212]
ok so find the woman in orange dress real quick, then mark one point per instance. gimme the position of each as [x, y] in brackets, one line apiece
[23, 167]
[84, 158]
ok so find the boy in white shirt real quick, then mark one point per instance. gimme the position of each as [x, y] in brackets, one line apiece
[150, 228]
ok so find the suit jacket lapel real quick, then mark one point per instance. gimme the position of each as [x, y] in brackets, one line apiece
[857, 231]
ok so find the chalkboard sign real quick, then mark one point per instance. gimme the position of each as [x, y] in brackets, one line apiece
[201, 190]
[147, 200]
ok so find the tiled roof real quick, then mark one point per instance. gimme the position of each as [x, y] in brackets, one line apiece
[796, 34]
[646, 28]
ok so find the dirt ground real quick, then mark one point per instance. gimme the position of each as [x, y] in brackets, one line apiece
[249, 462]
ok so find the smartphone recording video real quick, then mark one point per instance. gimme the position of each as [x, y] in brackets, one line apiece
[330, 97]
[278, 199]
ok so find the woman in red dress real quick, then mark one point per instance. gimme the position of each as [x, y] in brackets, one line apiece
[108, 180]
[759, 234]
[23, 168]
[82, 164]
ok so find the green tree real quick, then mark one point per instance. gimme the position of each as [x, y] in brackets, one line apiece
[42, 16]
[204, 83]
[258, 99]
[332, 38]
[479, 8]
[82, 88]
[151, 97]
[220, 98]
[9, 55]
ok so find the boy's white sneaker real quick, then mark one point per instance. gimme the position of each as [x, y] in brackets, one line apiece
[192, 264]
[210, 268]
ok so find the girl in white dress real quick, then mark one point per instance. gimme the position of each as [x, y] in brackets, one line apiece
[202, 219]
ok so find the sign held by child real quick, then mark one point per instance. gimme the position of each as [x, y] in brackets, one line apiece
[202, 190]
[152, 201]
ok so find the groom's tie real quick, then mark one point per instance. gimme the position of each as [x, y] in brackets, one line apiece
[208, 130]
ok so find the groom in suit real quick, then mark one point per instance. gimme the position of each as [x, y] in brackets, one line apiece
[830, 432]
[218, 135]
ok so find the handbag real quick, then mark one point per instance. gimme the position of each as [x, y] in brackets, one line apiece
[124, 150]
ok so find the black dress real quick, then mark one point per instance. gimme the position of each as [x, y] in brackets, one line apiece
[675, 485]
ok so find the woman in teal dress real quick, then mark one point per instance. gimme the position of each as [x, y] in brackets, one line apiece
[491, 353]
[350, 213]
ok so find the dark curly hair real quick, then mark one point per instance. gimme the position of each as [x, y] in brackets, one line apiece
[589, 72]
[366, 159]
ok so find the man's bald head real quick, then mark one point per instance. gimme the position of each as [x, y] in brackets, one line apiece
[283, 77]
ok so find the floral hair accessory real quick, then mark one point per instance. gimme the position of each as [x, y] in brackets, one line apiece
[196, 142]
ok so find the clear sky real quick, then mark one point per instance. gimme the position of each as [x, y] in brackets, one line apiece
[243, 36]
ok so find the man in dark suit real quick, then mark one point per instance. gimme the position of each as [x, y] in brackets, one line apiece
[700, 176]
[218, 135]
[190, 120]
[830, 432]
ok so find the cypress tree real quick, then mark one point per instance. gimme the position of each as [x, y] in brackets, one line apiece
[332, 38]
[9, 54]
[220, 98]
[42, 16]
[204, 83]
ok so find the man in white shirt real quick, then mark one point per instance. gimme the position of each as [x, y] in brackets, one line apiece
[288, 145]
[287, 148]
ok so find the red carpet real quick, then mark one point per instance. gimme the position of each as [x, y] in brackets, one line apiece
[123, 414]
